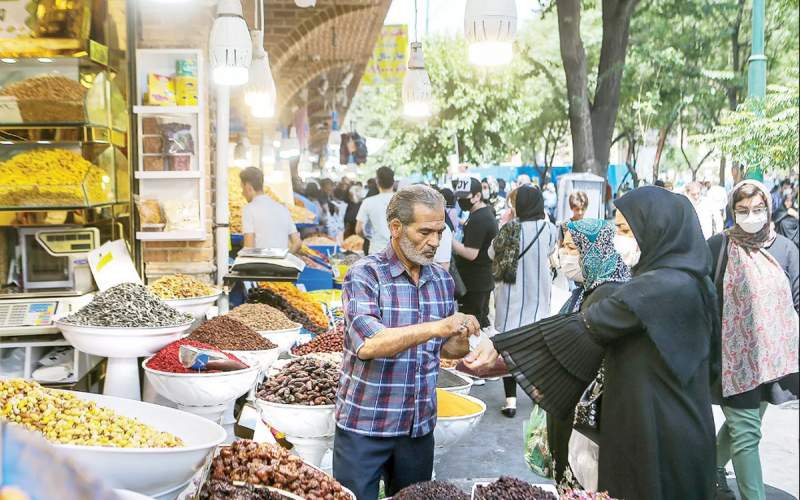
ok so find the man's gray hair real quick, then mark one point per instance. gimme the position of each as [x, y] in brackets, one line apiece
[402, 204]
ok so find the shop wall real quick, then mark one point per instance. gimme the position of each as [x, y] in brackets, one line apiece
[186, 25]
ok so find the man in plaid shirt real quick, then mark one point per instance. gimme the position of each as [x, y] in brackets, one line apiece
[400, 317]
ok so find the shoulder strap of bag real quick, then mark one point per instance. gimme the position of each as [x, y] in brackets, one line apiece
[533, 241]
[722, 250]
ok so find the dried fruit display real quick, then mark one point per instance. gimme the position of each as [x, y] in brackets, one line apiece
[52, 177]
[48, 98]
[303, 301]
[304, 381]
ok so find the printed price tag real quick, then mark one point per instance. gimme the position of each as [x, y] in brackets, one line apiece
[9, 110]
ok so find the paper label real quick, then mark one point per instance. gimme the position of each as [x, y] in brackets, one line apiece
[9, 110]
[111, 265]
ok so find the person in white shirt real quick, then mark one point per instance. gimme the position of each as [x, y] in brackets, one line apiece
[265, 222]
[711, 221]
[373, 213]
[445, 251]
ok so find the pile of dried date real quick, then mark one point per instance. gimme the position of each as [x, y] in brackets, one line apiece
[511, 488]
[333, 341]
[270, 465]
[304, 381]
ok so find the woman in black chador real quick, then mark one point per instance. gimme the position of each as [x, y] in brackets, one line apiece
[656, 431]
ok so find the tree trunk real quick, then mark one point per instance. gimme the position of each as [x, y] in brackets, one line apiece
[573, 56]
[733, 88]
[722, 166]
[662, 140]
[592, 125]
[616, 29]
[630, 162]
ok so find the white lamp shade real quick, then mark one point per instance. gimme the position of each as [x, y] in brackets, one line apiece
[305, 3]
[417, 89]
[230, 45]
[260, 94]
[490, 27]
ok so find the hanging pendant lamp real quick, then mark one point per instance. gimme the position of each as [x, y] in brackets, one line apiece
[490, 27]
[417, 91]
[230, 44]
[260, 94]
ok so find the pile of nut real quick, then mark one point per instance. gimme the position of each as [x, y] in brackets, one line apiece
[431, 490]
[64, 418]
[288, 298]
[230, 334]
[271, 465]
[304, 381]
[223, 490]
[180, 286]
[332, 341]
[262, 317]
[511, 488]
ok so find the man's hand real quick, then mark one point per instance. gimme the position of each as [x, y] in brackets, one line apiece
[457, 324]
[483, 357]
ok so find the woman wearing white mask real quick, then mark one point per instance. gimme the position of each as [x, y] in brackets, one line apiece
[521, 267]
[589, 258]
[756, 274]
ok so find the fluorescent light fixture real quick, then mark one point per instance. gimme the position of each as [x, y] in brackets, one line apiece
[260, 94]
[417, 91]
[305, 3]
[44, 60]
[490, 27]
[230, 44]
[8, 60]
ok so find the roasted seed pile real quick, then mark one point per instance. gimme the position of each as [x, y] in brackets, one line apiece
[180, 286]
[304, 381]
[448, 379]
[511, 488]
[128, 305]
[332, 341]
[230, 334]
[53, 87]
[585, 495]
[262, 317]
[271, 465]
[63, 418]
[431, 490]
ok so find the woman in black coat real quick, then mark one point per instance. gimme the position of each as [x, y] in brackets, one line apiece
[656, 434]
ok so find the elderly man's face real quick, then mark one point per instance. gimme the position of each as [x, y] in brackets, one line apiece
[420, 239]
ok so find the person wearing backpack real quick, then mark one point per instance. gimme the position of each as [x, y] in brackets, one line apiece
[756, 276]
[521, 267]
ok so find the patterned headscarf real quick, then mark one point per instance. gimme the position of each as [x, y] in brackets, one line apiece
[599, 260]
[761, 239]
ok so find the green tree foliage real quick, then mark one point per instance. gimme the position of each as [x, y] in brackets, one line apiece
[763, 132]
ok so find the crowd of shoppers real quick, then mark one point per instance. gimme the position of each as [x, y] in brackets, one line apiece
[660, 323]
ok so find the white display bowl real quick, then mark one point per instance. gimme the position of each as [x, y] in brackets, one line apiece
[284, 339]
[149, 471]
[299, 420]
[460, 389]
[121, 342]
[196, 306]
[264, 358]
[202, 389]
[450, 430]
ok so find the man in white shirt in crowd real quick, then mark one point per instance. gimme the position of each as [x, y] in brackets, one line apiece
[265, 222]
[373, 212]
[711, 221]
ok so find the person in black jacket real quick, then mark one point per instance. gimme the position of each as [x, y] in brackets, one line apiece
[756, 275]
[785, 219]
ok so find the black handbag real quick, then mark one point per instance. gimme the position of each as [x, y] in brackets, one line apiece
[587, 411]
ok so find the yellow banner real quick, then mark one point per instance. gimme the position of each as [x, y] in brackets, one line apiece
[389, 58]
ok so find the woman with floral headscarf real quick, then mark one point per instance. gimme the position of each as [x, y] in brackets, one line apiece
[756, 275]
[601, 273]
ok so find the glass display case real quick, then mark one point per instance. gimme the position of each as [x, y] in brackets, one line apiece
[61, 91]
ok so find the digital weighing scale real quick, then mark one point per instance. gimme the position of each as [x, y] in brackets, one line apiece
[48, 278]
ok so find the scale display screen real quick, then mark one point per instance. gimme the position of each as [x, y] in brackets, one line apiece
[27, 314]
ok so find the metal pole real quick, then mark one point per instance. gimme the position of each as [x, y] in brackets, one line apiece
[757, 72]
[222, 216]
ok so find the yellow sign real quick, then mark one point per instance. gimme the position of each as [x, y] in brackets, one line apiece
[389, 58]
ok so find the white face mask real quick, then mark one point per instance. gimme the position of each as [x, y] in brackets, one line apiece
[628, 249]
[486, 194]
[570, 267]
[752, 223]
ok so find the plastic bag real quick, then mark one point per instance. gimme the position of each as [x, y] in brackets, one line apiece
[537, 453]
[182, 215]
[177, 138]
[150, 212]
[583, 460]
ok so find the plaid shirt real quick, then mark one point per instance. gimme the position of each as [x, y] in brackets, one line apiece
[394, 396]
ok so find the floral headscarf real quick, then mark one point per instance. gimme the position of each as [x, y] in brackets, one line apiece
[599, 260]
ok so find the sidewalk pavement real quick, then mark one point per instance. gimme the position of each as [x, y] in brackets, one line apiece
[496, 447]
